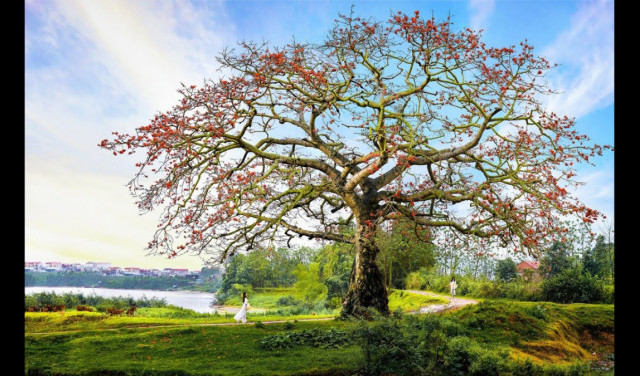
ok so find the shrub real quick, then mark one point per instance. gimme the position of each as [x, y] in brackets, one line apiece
[460, 354]
[573, 286]
[259, 325]
[286, 301]
[331, 338]
[538, 312]
[388, 347]
[490, 364]
[526, 368]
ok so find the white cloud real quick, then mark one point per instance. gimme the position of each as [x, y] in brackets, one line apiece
[597, 192]
[78, 217]
[480, 11]
[93, 67]
[148, 47]
[585, 53]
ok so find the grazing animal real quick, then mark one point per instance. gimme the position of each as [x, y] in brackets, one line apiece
[84, 308]
[33, 309]
[59, 308]
[131, 310]
[114, 311]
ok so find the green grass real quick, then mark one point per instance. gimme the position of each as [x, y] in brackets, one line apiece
[541, 331]
[220, 350]
[151, 343]
[267, 298]
[41, 322]
[262, 297]
[408, 301]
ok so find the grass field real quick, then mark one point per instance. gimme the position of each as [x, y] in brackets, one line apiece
[211, 350]
[170, 341]
[407, 301]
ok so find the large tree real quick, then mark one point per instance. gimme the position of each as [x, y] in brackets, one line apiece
[404, 118]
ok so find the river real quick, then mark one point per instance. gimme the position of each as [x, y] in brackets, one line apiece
[195, 300]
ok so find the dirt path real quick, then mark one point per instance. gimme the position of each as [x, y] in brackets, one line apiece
[454, 303]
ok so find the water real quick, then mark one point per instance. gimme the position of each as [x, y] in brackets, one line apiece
[197, 301]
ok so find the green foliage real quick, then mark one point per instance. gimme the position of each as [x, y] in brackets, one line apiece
[428, 279]
[286, 301]
[337, 286]
[331, 338]
[461, 352]
[556, 260]
[263, 268]
[408, 301]
[234, 293]
[538, 312]
[259, 325]
[101, 303]
[388, 348]
[403, 249]
[309, 288]
[526, 368]
[598, 261]
[573, 286]
[506, 270]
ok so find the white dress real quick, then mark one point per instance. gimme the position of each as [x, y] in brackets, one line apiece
[453, 286]
[242, 313]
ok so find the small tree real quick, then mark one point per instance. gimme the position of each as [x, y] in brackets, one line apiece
[506, 270]
[556, 260]
[598, 260]
[309, 288]
[406, 118]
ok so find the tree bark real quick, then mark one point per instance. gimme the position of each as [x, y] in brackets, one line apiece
[366, 284]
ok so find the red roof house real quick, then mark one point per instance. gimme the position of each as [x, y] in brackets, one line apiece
[524, 265]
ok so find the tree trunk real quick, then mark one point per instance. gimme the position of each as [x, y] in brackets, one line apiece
[366, 284]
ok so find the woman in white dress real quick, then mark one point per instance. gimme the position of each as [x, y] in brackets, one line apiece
[453, 286]
[242, 313]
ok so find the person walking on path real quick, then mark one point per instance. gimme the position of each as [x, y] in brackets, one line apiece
[242, 313]
[453, 286]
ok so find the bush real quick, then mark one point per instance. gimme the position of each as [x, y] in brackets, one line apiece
[538, 312]
[573, 286]
[526, 368]
[331, 338]
[389, 348]
[490, 364]
[460, 354]
[72, 300]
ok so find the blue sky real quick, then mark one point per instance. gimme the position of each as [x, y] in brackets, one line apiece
[93, 67]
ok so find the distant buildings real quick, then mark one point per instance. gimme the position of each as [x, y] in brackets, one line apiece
[106, 269]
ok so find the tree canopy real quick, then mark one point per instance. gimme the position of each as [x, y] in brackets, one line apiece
[385, 120]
